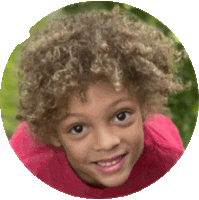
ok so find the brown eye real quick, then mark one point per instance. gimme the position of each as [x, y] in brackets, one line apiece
[77, 129]
[122, 116]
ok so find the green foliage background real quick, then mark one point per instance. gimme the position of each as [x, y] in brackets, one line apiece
[184, 106]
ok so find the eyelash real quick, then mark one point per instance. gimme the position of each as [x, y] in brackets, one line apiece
[115, 115]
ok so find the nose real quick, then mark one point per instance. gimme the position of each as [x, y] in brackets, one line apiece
[105, 139]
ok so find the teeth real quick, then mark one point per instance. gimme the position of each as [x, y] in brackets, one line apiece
[109, 163]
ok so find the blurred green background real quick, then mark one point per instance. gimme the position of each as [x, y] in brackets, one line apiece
[184, 106]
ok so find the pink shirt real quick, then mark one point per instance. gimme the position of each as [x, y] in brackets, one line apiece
[163, 147]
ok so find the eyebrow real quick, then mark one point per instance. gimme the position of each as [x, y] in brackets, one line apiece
[111, 105]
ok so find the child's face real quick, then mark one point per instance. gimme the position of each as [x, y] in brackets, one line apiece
[108, 125]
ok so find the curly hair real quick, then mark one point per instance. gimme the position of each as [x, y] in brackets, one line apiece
[71, 52]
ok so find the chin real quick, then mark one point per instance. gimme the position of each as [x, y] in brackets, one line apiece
[115, 182]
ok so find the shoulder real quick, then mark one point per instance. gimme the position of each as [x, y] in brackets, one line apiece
[23, 142]
[33, 155]
[163, 132]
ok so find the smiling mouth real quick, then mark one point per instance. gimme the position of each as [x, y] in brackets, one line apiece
[110, 162]
[113, 166]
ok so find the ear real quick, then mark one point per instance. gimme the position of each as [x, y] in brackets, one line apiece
[55, 141]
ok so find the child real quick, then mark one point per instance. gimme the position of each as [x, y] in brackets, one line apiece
[93, 93]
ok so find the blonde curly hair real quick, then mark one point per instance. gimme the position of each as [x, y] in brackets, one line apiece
[71, 52]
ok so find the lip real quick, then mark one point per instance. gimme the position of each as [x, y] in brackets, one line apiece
[112, 168]
[110, 159]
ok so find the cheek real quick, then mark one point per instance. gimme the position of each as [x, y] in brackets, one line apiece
[134, 136]
[76, 151]
[135, 143]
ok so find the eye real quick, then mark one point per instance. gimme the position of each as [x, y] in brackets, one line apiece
[122, 116]
[78, 129]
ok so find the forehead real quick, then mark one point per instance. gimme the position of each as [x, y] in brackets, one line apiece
[99, 94]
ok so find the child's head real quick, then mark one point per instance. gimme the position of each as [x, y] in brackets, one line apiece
[83, 64]
[108, 126]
